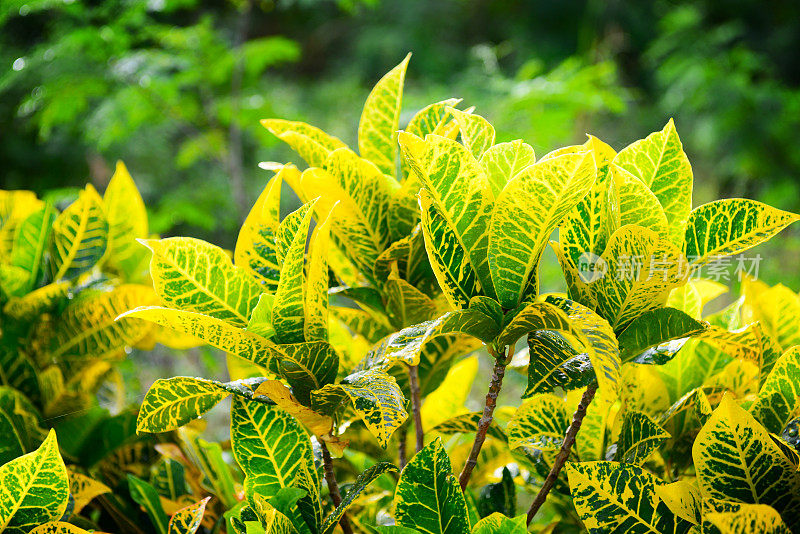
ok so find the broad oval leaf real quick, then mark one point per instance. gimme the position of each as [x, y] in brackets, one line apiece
[187, 520]
[498, 523]
[172, 402]
[526, 213]
[730, 226]
[476, 132]
[653, 328]
[428, 497]
[58, 527]
[196, 276]
[35, 488]
[637, 204]
[504, 161]
[311, 143]
[540, 423]
[256, 249]
[779, 398]
[126, 214]
[746, 518]
[639, 437]
[30, 244]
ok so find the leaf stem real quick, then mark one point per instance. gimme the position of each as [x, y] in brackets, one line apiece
[563, 453]
[488, 412]
[333, 487]
[416, 405]
[402, 457]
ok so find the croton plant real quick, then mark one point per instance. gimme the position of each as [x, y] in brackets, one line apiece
[647, 408]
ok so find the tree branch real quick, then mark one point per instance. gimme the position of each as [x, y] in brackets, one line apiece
[488, 411]
[333, 487]
[416, 406]
[402, 457]
[563, 453]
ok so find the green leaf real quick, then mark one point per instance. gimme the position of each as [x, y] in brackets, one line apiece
[736, 460]
[467, 423]
[269, 445]
[499, 497]
[88, 326]
[730, 226]
[554, 363]
[308, 367]
[524, 216]
[637, 204]
[500, 524]
[639, 437]
[456, 205]
[20, 430]
[428, 497]
[30, 243]
[288, 309]
[540, 423]
[375, 397]
[504, 161]
[360, 484]
[613, 497]
[17, 371]
[216, 470]
[377, 128]
[779, 398]
[260, 322]
[660, 162]
[683, 499]
[168, 477]
[315, 308]
[187, 520]
[406, 304]
[35, 488]
[642, 270]
[196, 276]
[476, 132]
[642, 337]
[58, 527]
[79, 238]
[256, 249]
[173, 402]
[146, 496]
[311, 143]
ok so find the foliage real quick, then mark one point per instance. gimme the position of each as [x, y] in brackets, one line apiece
[365, 303]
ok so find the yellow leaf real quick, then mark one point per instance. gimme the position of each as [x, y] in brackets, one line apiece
[448, 399]
[319, 425]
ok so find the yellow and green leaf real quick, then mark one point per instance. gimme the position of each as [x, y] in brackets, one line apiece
[127, 217]
[187, 520]
[639, 437]
[540, 423]
[311, 143]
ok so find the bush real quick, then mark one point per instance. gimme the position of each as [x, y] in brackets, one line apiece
[642, 412]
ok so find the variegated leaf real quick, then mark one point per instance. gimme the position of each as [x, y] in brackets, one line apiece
[778, 401]
[642, 268]
[173, 402]
[34, 488]
[37, 301]
[499, 523]
[642, 338]
[449, 399]
[476, 132]
[683, 499]
[79, 238]
[256, 250]
[58, 527]
[317, 423]
[20, 430]
[467, 423]
[196, 276]
[736, 460]
[518, 234]
[315, 308]
[504, 161]
[637, 204]
[777, 309]
[269, 446]
[126, 214]
[311, 143]
[639, 437]
[30, 244]
[540, 423]
[146, 496]
[187, 520]
[428, 498]
[614, 497]
[375, 397]
[660, 162]
[747, 518]
[730, 226]
[377, 128]
[362, 481]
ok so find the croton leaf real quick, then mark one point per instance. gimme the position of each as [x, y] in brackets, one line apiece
[269, 445]
[35, 488]
[126, 215]
[256, 250]
[466, 423]
[747, 518]
[779, 398]
[315, 309]
[683, 499]
[187, 520]
[318, 424]
[172, 402]
[653, 328]
[362, 481]
[83, 489]
[58, 527]
[504, 161]
[196, 276]
[79, 238]
[428, 497]
[540, 423]
[730, 226]
[614, 497]
[660, 162]
[637, 204]
[30, 244]
[377, 128]
[476, 132]
[147, 497]
[525, 215]
[639, 437]
[499, 523]
[736, 460]
[311, 143]
[499, 496]
[20, 430]
[375, 397]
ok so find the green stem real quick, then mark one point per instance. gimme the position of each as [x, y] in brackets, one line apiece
[563, 453]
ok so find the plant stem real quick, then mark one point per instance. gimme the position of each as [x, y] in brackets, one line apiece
[402, 434]
[416, 406]
[563, 453]
[333, 487]
[486, 419]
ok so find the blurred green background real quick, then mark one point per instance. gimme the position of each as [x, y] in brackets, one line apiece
[175, 88]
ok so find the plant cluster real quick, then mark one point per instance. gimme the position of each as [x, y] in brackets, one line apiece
[642, 412]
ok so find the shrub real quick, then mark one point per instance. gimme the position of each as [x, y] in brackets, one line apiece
[641, 413]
